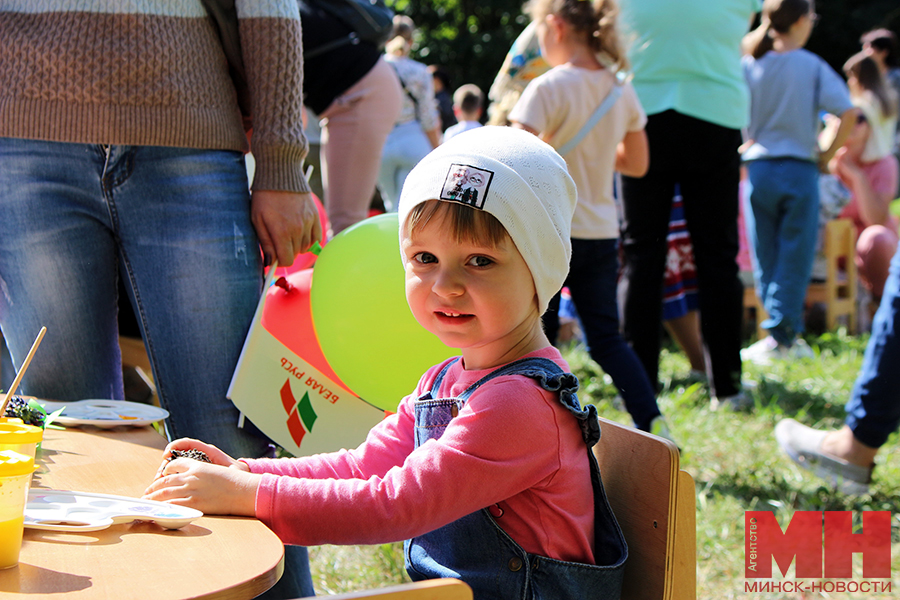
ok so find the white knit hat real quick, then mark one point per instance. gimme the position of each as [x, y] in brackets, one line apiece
[517, 178]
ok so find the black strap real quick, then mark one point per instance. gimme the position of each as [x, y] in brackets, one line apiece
[351, 39]
[406, 89]
[224, 16]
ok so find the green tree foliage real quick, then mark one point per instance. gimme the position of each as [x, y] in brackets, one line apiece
[470, 38]
[836, 36]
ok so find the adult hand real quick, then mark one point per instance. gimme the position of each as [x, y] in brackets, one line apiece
[212, 489]
[287, 223]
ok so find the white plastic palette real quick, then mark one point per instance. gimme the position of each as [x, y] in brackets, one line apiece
[61, 510]
[105, 414]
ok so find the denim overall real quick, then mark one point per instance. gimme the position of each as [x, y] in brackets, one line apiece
[477, 550]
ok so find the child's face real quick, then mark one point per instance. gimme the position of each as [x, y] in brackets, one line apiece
[475, 297]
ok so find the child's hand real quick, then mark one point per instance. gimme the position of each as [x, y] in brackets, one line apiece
[210, 488]
[844, 166]
[216, 456]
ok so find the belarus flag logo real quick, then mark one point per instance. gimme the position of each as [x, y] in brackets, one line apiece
[297, 412]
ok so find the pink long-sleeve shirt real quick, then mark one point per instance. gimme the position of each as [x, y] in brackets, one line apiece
[512, 445]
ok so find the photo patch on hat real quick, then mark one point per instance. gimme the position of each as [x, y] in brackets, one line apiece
[467, 184]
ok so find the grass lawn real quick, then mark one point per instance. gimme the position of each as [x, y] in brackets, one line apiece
[733, 457]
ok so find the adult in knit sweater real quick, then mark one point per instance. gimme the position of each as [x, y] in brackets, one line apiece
[122, 152]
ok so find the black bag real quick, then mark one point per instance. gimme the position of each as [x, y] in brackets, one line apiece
[224, 16]
[370, 21]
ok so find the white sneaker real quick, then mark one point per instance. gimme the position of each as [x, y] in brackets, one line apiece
[804, 446]
[800, 350]
[766, 350]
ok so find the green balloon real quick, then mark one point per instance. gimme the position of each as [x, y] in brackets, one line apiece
[361, 318]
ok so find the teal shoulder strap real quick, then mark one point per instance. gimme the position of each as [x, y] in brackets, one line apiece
[595, 118]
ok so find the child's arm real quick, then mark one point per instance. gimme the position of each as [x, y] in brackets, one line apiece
[211, 489]
[848, 121]
[386, 445]
[224, 487]
[532, 130]
[482, 458]
[633, 154]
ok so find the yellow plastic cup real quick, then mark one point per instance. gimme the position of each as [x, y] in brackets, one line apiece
[15, 480]
[21, 438]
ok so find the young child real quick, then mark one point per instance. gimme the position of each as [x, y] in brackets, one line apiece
[788, 88]
[468, 104]
[486, 467]
[877, 100]
[556, 106]
[865, 165]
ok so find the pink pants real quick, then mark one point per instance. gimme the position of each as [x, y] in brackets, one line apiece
[354, 128]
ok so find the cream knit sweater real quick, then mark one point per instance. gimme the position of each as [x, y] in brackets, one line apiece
[152, 72]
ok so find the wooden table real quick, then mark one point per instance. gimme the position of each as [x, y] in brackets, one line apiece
[213, 557]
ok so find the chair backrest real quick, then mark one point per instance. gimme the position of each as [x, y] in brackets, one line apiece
[655, 504]
[435, 589]
[839, 290]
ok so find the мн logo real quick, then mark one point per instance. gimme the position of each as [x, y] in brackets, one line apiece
[822, 544]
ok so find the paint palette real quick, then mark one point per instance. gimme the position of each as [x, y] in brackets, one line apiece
[105, 414]
[61, 510]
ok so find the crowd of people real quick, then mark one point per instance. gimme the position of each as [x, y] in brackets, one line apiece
[633, 134]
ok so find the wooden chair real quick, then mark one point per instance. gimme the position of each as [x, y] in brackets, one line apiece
[655, 504]
[838, 291]
[134, 354]
[435, 589]
[752, 302]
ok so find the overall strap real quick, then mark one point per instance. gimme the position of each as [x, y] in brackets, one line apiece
[601, 110]
[435, 386]
[552, 378]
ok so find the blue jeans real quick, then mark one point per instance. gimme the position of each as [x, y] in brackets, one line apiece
[782, 223]
[174, 223]
[873, 412]
[593, 272]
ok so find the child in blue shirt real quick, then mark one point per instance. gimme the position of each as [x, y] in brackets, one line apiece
[789, 86]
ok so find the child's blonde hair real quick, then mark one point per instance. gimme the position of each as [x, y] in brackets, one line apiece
[777, 16]
[465, 223]
[595, 19]
[864, 68]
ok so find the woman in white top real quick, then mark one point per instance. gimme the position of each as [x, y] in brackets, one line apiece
[418, 130]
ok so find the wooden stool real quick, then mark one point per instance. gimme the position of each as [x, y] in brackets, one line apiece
[838, 291]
